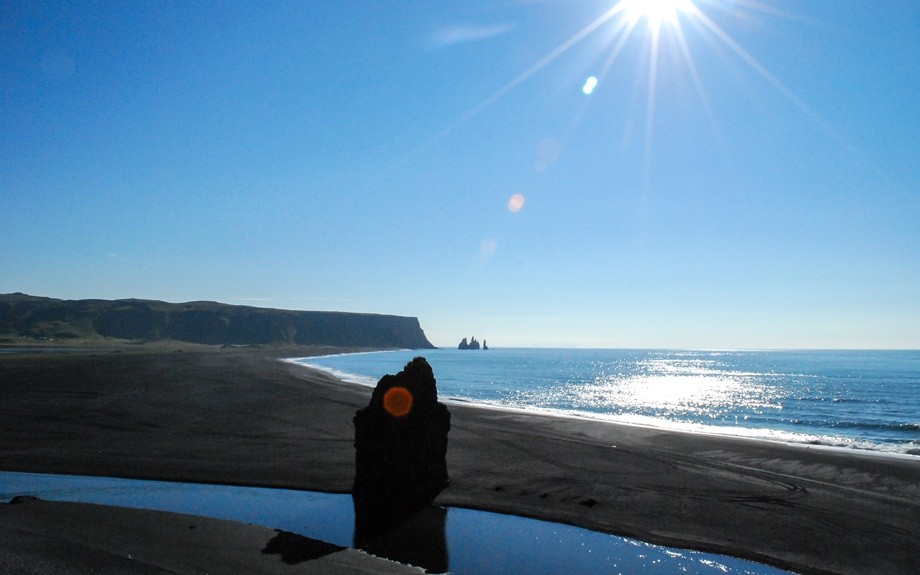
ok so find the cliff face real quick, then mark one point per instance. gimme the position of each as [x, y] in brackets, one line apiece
[202, 322]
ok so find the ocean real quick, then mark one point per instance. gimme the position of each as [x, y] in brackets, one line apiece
[867, 400]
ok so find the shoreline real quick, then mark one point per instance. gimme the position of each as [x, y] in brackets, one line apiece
[246, 418]
[665, 425]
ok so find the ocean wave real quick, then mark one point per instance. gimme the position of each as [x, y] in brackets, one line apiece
[344, 376]
[895, 426]
[814, 399]
[907, 447]
[837, 441]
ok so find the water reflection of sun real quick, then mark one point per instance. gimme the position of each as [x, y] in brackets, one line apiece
[694, 393]
[676, 389]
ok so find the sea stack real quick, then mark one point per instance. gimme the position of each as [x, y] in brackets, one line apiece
[472, 344]
[400, 450]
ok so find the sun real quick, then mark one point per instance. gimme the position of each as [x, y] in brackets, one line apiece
[654, 12]
[664, 30]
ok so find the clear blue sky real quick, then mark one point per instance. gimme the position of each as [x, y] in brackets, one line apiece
[742, 175]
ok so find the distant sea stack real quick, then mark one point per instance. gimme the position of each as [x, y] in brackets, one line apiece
[472, 344]
[25, 317]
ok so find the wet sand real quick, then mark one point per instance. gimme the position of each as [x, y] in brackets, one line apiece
[243, 417]
[58, 537]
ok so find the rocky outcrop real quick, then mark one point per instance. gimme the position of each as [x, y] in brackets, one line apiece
[472, 344]
[24, 316]
[400, 450]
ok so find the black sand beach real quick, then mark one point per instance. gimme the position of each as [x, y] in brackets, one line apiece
[243, 417]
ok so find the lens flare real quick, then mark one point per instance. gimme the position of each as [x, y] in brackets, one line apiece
[397, 401]
[516, 203]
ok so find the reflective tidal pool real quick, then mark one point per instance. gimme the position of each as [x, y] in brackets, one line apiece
[460, 541]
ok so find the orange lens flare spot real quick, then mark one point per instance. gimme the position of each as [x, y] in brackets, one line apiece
[397, 401]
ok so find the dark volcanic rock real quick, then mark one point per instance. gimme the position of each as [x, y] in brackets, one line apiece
[472, 344]
[400, 450]
[19, 499]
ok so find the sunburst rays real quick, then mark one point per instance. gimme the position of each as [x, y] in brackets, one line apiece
[649, 21]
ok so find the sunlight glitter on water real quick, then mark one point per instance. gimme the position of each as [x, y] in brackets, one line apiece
[673, 388]
[857, 399]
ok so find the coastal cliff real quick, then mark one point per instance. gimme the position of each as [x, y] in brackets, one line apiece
[29, 317]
